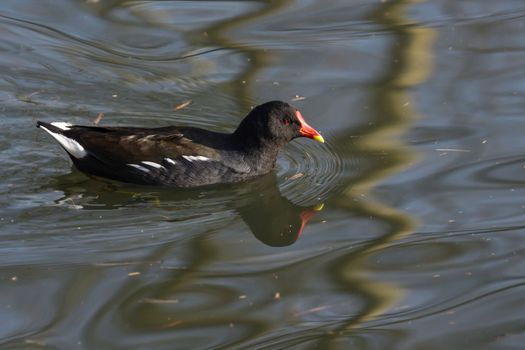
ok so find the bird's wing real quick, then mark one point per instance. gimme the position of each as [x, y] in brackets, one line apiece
[130, 145]
[163, 155]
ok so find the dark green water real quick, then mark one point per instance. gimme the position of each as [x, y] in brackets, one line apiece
[419, 244]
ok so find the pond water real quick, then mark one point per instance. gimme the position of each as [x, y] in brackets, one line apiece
[403, 231]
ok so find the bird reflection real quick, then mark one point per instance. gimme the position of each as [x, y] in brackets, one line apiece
[274, 220]
[271, 217]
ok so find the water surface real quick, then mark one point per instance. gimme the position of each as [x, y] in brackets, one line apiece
[403, 231]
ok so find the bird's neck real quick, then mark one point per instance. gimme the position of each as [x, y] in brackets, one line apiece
[256, 143]
[260, 152]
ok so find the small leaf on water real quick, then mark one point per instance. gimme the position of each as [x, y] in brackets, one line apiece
[296, 176]
[98, 119]
[182, 105]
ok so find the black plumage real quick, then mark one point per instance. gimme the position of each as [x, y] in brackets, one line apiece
[184, 156]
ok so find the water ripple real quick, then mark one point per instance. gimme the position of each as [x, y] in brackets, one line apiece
[309, 171]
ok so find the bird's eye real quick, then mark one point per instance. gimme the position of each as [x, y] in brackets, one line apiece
[287, 121]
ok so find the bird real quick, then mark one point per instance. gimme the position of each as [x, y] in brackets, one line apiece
[184, 157]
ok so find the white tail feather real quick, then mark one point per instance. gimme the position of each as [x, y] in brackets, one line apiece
[71, 146]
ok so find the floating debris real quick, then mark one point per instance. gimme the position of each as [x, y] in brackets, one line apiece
[171, 324]
[98, 119]
[28, 98]
[182, 105]
[312, 310]
[135, 273]
[125, 263]
[36, 342]
[298, 98]
[451, 150]
[296, 176]
[159, 301]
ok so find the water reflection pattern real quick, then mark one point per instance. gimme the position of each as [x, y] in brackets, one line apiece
[419, 242]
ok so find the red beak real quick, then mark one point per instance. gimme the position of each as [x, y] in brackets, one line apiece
[306, 215]
[306, 130]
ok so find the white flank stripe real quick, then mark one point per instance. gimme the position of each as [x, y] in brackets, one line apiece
[148, 138]
[62, 125]
[139, 167]
[71, 146]
[152, 164]
[169, 160]
[192, 158]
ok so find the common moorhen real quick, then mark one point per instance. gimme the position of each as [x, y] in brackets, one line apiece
[184, 156]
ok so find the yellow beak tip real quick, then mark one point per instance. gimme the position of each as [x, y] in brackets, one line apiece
[319, 138]
[318, 207]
